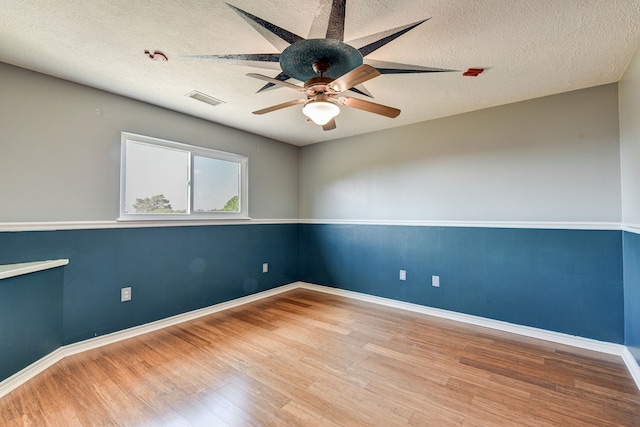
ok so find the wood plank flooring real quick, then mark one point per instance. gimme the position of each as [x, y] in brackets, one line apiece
[305, 358]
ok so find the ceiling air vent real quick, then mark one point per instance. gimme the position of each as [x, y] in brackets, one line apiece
[204, 98]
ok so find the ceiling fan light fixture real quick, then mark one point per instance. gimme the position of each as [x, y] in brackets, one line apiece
[320, 112]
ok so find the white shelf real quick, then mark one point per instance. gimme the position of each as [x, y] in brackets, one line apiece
[12, 270]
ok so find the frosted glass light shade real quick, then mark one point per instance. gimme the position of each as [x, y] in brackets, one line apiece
[321, 112]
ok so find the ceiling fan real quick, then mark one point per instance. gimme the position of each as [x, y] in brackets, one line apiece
[321, 103]
[325, 63]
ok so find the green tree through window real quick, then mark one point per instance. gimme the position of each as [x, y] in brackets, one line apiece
[153, 204]
[231, 205]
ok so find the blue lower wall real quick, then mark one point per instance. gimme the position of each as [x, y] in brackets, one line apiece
[631, 253]
[567, 281]
[30, 319]
[171, 270]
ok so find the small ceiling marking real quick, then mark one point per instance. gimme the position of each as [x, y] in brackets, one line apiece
[156, 55]
[473, 72]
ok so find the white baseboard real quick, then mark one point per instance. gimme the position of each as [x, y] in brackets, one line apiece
[557, 337]
[51, 359]
[92, 343]
[632, 365]
[37, 367]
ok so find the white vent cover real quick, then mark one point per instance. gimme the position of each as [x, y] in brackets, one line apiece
[204, 98]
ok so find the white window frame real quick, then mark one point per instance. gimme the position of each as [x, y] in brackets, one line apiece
[193, 150]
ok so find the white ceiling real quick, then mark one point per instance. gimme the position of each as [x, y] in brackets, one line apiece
[530, 48]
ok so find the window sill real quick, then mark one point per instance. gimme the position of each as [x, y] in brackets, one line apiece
[152, 219]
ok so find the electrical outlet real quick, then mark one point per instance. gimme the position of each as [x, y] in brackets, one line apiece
[403, 274]
[125, 294]
[265, 267]
[435, 281]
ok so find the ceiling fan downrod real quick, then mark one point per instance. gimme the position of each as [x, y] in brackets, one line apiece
[321, 67]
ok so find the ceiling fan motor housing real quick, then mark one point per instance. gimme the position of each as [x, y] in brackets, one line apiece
[333, 57]
[317, 85]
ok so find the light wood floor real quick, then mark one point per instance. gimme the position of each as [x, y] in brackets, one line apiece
[305, 358]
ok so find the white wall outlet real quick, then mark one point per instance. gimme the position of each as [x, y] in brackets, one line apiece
[125, 294]
[265, 267]
[403, 274]
[435, 281]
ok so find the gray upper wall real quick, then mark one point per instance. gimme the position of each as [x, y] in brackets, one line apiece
[629, 88]
[550, 159]
[555, 158]
[60, 151]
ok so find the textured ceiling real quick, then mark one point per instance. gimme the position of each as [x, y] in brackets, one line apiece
[530, 48]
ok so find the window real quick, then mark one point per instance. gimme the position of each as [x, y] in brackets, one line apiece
[169, 180]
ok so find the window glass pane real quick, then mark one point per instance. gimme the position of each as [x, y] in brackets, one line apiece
[162, 180]
[216, 185]
[157, 180]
